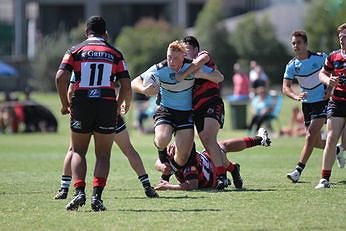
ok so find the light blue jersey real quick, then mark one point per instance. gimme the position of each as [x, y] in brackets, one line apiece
[175, 95]
[306, 72]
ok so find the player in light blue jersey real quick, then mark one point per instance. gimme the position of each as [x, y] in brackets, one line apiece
[174, 94]
[306, 72]
[314, 95]
[174, 114]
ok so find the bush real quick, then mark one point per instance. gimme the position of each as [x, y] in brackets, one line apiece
[146, 43]
[47, 61]
[256, 40]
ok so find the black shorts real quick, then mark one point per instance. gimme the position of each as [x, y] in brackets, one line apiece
[336, 109]
[93, 115]
[314, 110]
[120, 124]
[177, 119]
[214, 110]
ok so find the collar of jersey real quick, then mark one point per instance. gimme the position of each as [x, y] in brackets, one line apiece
[96, 38]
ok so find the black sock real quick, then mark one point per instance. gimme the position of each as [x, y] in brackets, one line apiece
[300, 167]
[163, 155]
[337, 150]
[80, 190]
[97, 191]
[144, 179]
[176, 166]
[163, 159]
[165, 177]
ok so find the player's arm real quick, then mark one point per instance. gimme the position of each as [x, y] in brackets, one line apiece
[288, 91]
[61, 81]
[196, 64]
[150, 90]
[70, 92]
[327, 78]
[187, 185]
[124, 95]
[215, 76]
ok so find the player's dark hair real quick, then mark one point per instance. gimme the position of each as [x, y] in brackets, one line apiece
[191, 41]
[96, 25]
[300, 33]
[341, 27]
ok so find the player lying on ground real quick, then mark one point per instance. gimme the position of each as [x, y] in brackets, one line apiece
[199, 171]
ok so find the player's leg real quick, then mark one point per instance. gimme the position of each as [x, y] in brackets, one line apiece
[80, 143]
[66, 177]
[340, 150]
[234, 169]
[239, 144]
[335, 126]
[103, 147]
[311, 137]
[122, 139]
[183, 146]
[208, 137]
[163, 130]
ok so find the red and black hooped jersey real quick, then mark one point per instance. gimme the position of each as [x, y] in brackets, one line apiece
[205, 91]
[200, 167]
[96, 65]
[336, 64]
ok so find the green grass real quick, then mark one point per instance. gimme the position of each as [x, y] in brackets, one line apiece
[31, 164]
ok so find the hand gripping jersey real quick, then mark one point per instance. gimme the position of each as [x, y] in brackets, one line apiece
[306, 72]
[336, 64]
[96, 65]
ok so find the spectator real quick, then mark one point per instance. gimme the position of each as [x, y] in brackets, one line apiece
[297, 125]
[262, 106]
[257, 76]
[146, 111]
[241, 85]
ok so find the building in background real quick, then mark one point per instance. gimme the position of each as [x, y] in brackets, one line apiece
[30, 18]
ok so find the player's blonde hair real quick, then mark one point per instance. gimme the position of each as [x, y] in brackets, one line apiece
[177, 46]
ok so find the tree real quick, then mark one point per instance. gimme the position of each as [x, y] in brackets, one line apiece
[46, 63]
[321, 22]
[214, 37]
[146, 43]
[255, 39]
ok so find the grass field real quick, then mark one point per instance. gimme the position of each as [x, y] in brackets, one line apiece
[31, 164]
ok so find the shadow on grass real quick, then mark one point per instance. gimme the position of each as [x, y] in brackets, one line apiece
[155, 210]
[169, 210]
[240, 190]
[302, 182]
[167, 197]
[341, 182]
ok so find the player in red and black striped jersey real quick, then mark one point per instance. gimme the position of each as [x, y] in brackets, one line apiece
[93, 106]
[208, 107]
[333, 74]
[199, 171]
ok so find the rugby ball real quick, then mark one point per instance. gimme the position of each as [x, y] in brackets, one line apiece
[152, 79]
